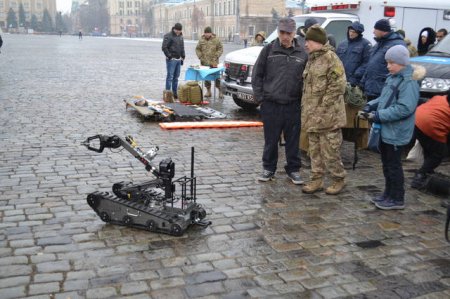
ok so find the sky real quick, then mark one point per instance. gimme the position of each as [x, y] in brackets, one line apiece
[63, 5]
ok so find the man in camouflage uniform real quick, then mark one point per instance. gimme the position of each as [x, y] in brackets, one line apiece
[323, 111]
[209, 49]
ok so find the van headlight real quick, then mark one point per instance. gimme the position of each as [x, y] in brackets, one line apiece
[435, 84]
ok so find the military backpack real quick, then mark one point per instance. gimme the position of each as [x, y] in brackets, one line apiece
[191, 92]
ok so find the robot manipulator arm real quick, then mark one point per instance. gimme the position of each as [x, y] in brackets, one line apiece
[104, 142]
[129, 144]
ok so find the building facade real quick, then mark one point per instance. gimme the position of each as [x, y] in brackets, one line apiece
[127, 17]
[229, 19]
[31, 7]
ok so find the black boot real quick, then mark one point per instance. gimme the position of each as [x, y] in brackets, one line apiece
[419, 180]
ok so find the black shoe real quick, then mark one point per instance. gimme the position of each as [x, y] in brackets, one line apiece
[295, 178]
[266, 175]
[379, 198]
[390, 204]
[419, 180]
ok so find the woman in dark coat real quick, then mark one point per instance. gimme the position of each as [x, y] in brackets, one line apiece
[427, 38]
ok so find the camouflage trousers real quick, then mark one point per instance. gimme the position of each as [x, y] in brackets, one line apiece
[325, 154]
[216, 82]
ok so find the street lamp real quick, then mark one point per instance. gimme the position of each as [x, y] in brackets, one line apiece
[301, 3]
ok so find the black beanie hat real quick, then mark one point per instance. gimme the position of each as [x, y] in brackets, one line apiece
[178, 26]
[383, 25]
[208, 30]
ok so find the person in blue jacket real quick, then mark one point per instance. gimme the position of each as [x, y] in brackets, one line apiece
[354, 53]
[376, 72]
[397, 123]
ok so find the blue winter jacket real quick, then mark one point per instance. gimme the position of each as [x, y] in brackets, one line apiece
[376, 70]
[397, 120]
[354, 54]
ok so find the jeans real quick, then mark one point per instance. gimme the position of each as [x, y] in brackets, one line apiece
[279, 119]
[393, 171]
[433, 152]
[173, 72]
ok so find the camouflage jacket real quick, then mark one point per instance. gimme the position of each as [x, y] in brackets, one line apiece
[209, 50]
[324, 83]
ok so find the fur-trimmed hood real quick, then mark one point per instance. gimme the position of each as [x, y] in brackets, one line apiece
[419, 72]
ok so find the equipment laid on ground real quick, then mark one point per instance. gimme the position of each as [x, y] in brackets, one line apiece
[171, 111]
[152, 205]
[191, 92]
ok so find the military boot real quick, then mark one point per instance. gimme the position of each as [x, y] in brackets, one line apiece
[336, 187]
[313, 186]
[208, 92]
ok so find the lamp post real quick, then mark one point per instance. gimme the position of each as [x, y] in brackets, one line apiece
[238, 19]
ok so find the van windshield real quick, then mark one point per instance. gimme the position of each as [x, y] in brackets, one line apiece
[442, 48]
[300, 21]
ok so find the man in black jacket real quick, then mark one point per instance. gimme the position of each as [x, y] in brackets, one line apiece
[277, 84]
[173, 48]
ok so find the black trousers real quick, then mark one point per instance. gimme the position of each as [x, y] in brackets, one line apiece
[393, 171]
[281, 119]
[433, 152]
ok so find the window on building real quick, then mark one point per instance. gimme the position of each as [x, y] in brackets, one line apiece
[220, 9]
[26, 5]
[129, 12]
[120, 4]
[137, 4]
[2, 5]
[129, 4]
[121, 12]
[251, 30]
[39, 5]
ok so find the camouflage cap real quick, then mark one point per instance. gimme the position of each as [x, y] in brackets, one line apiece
[287, 25]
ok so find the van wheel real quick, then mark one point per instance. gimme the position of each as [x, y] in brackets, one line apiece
[244, 105]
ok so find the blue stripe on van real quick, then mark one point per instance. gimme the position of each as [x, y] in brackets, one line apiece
[431, 59]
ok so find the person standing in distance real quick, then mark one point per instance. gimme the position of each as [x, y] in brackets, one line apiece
[173, 48]
[208, 50]
[277, 84]
[323, 112]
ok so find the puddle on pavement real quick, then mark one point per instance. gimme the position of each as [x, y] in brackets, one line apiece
[369, 244]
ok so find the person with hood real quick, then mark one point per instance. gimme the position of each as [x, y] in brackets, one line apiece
[395, 109]
[323, 112]
[209, 49]
[376, 71]
[277, 85]
[354, 53]
[173, 49]
[427, 38]
[259, 39]
[412, 50]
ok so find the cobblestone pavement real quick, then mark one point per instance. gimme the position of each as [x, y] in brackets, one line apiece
[266, 240]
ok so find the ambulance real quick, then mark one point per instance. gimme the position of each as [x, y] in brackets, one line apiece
[409, 15]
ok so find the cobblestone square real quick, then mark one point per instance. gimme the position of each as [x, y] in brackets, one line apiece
[267, 240]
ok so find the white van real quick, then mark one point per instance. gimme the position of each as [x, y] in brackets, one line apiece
[237, 77]
[409, 15]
